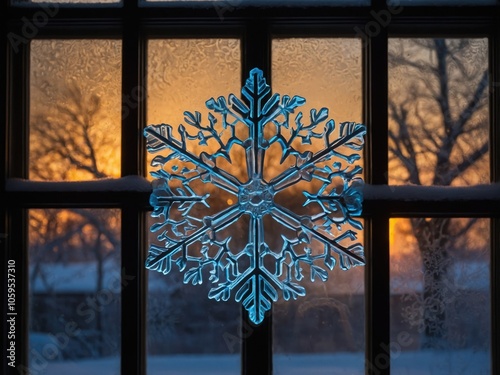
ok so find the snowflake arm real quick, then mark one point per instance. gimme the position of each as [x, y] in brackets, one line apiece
[218, 176]
[306, 161]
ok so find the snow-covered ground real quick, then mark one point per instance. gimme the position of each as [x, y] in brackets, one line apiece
[463, 362]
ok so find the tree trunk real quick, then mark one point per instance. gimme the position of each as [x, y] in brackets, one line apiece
[432, 236]
[99, 288]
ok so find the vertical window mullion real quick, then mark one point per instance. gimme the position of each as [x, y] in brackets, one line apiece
[18, 116]
[133, 310]
[494, 58]
[133, 318]
[3, 161]
[495, 295]
[16, 240]
[377, 239]
[3, 92]
[257, 344]
[133, 92]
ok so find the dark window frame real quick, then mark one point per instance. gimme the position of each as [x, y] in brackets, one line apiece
[255, 27]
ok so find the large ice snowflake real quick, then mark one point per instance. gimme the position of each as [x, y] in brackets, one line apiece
[201, 192]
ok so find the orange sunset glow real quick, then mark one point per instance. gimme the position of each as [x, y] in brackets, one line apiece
[75, 109]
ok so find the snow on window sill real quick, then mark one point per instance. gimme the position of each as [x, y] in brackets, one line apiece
[370, 192]
[431, 193]
[128, 183]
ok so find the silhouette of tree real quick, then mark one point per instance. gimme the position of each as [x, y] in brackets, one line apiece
[70, 138]
[438, 135]
[69, 142]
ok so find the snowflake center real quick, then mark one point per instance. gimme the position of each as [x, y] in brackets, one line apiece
[256, 198]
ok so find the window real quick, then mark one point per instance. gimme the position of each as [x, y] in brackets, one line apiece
[83, 78]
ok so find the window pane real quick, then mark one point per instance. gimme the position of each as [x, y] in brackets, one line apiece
[438, 111]
[327, 72]
[188, 333]
[74, 291]
[322, 332]
[51, 12]
[184, 73]
[440, 296]
[183, 323]
[75, 109]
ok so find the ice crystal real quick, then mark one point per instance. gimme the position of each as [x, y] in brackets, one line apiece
[198, 242]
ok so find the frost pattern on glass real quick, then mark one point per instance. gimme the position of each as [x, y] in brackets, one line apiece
[191, 240]
[322, 69]
[440, 294]
[75, 109]
[74, 279]
[184, 72]
[439, 127]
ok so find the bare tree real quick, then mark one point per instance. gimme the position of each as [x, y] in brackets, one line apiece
[67, 141]
[438, 135]
[70, 138]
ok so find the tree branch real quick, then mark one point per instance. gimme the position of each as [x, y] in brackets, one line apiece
[466, 163]
[473, 104]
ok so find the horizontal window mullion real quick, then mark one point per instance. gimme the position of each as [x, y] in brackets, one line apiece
[482, 200]
[398, 193]
[473, 207]
[216, 12]
[431, 209]
[89, 199]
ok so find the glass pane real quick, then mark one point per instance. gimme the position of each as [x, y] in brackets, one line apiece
[327, 72]
[184, 73]
[74, 291]
[440, 296]
[438, 111]
[188, 333]
[183, 323]
[52, 11]
[75, 109]
[322, 332]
